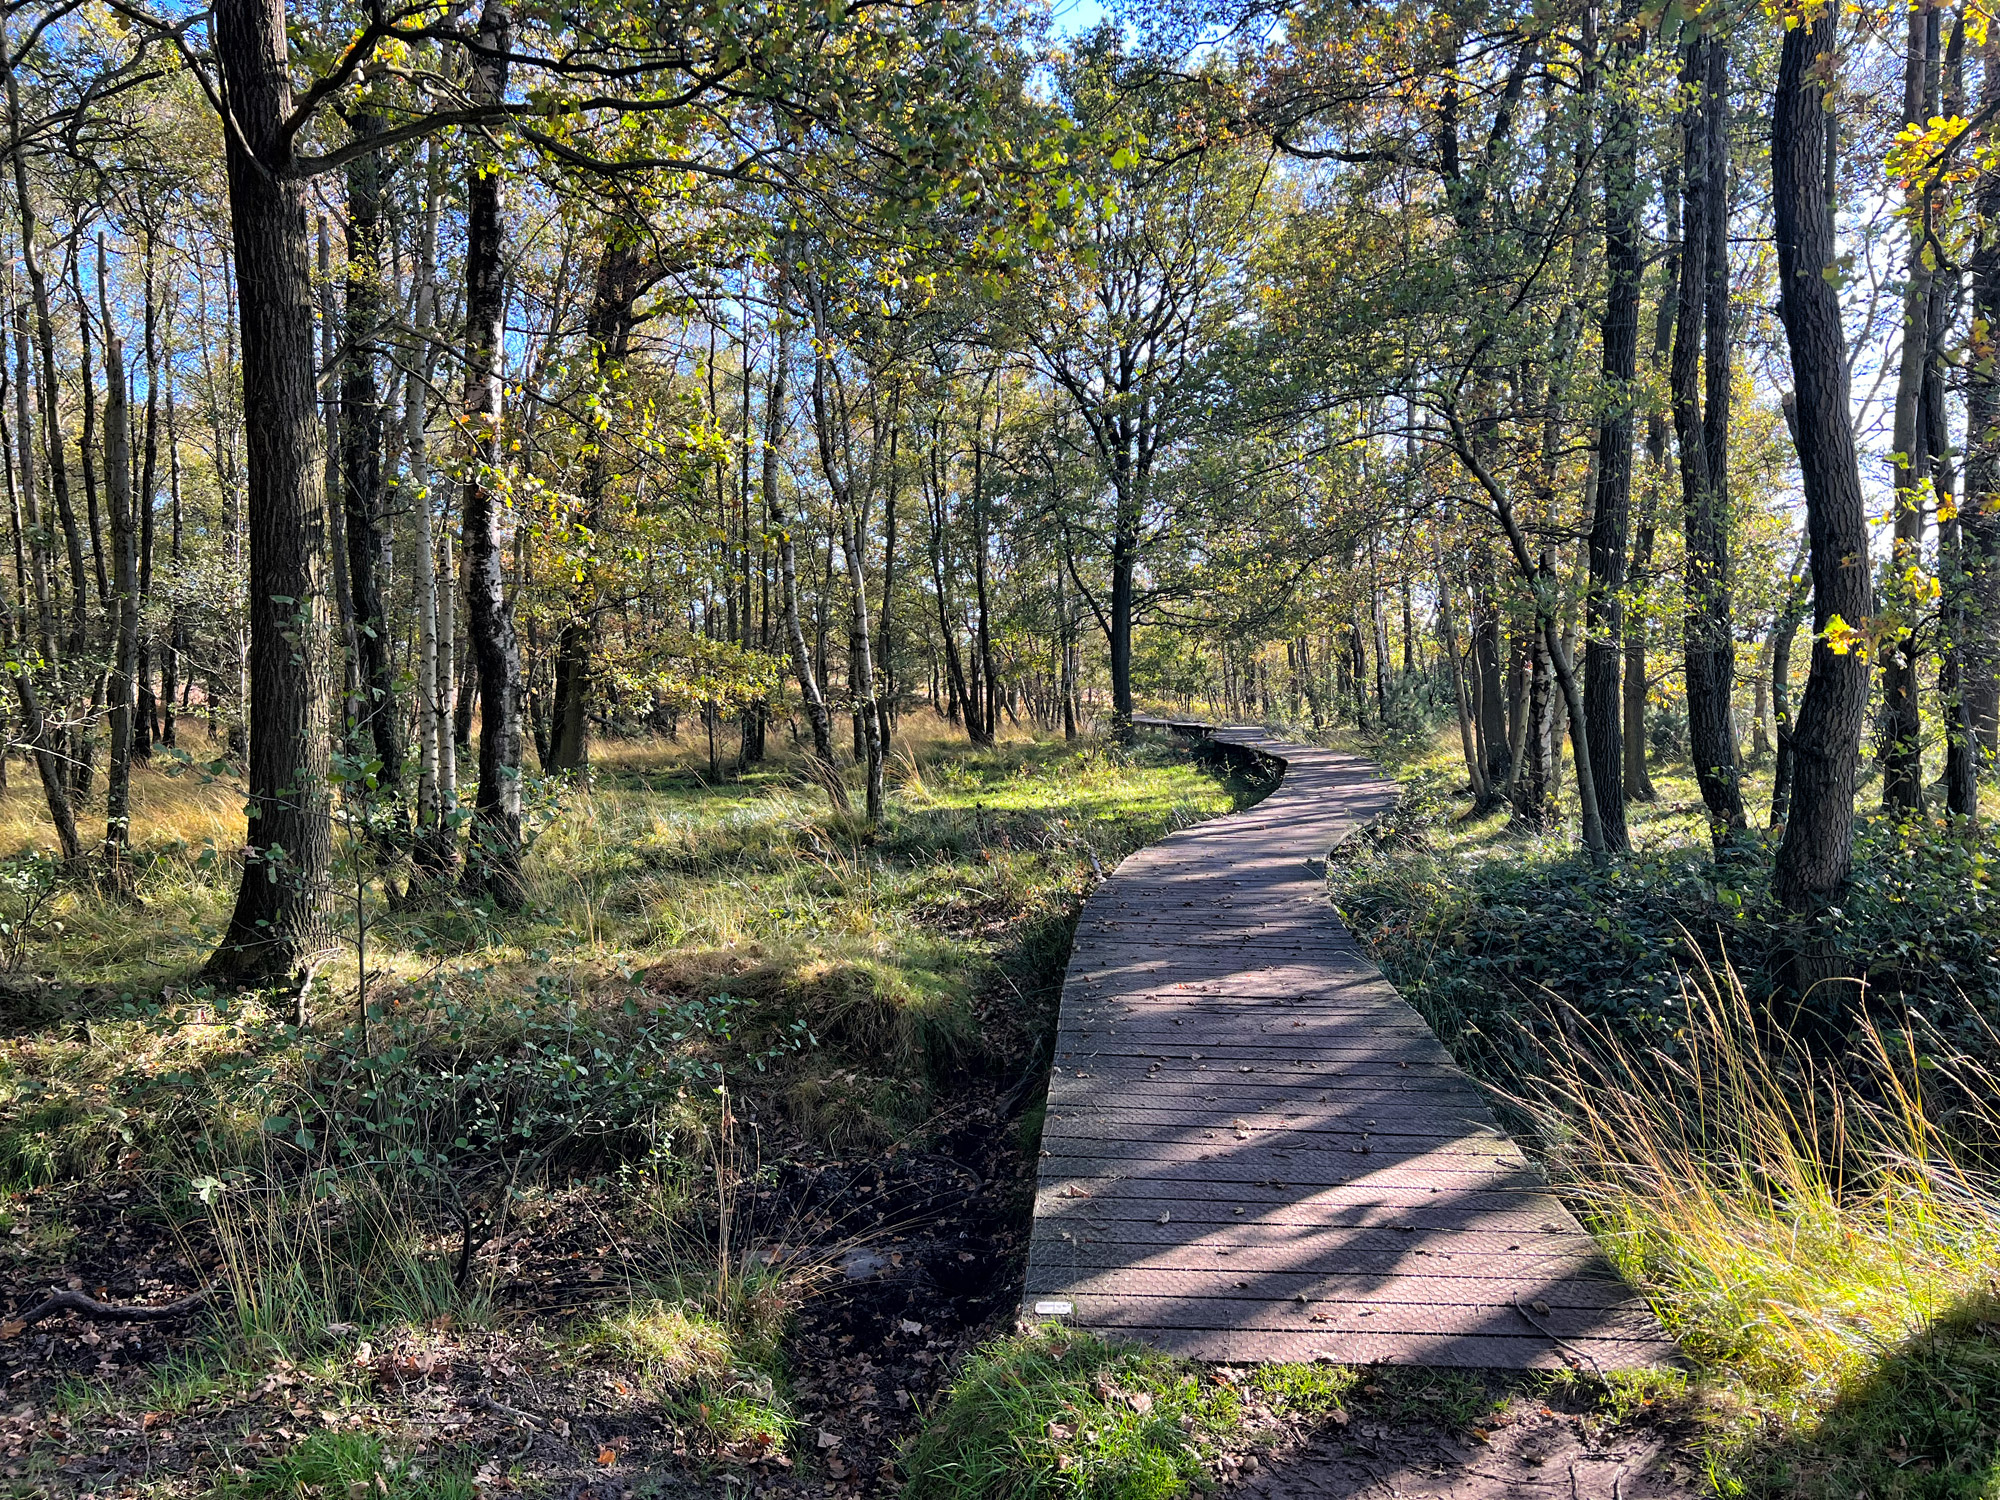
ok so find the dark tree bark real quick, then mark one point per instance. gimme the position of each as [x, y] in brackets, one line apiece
[125, 583]
[1902, 721]
[1701, 428]
[1962, 757]
[778, 521]
[621, 277]
[176, 642]
[831, 419]
[1979, 515]
[88, 446]
[278, 929]
[884, 658]
[494, 862]
[1604, 643]
[147, 726]
[982, 719]
[378, 716]
[1490, 690]
[1791, 613]
[1816, 858]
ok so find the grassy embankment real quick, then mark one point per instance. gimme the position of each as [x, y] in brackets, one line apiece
[604, 1145]
[1814, 1219]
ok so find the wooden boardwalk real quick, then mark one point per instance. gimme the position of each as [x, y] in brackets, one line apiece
[1256, 1150]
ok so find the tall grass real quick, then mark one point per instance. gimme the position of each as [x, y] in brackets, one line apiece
[1794, 1219]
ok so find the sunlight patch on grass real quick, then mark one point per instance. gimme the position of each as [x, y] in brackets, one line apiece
[1062, 1413]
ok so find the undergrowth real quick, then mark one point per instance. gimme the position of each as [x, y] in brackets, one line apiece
[1812, 1212]
[696, 963]
[1058, 1412]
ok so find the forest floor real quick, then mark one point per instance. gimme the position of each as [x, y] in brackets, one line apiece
[710, 1173]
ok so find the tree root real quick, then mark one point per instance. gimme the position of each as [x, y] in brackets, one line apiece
[90, 1307]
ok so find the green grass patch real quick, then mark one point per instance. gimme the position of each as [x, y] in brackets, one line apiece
[1059, 1412]
[355, 1465]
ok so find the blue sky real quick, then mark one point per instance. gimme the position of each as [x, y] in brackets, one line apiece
[1074, 17]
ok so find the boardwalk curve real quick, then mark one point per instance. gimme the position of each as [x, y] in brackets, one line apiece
[1255, 1150]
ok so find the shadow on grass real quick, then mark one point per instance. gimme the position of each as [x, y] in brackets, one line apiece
[1924, 1424]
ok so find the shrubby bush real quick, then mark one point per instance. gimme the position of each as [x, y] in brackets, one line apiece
[1493, 944]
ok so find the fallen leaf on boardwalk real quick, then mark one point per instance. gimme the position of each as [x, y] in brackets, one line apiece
[1540, 1306]
[1164, 1216]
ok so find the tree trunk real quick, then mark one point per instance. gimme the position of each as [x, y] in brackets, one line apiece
[147, 727]
[1961, 758]
[125, 582]
[176, 644]
[1816, 857]
[982, 722]
[435, 855]
[87, 445]
[1979, 516]
[608, 330]
[378, 715]
[883, 657]
[1702, 435]
[1902, 721]
[278, 928]
[831, 419]
[1784, 631]
[493, 865]
[780, 525]
[1604, 643]
[1550, 637]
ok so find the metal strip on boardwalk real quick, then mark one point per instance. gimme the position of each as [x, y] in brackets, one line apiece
[1256, 1150]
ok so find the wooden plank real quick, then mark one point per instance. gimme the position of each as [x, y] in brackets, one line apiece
[1242, 1111]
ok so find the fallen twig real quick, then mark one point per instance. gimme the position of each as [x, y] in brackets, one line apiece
[110, 1312]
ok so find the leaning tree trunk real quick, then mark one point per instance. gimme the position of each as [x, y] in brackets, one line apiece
[278, 928]
[1816, 857]
[494, 864]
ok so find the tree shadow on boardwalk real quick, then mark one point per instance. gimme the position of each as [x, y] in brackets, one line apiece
[1533, 1448]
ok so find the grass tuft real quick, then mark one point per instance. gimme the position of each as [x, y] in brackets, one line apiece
[1061, 1413]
